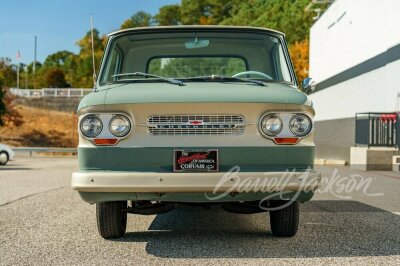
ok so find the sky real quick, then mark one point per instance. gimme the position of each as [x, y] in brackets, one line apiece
[58, 24]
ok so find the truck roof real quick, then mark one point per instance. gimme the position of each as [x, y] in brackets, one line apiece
[186, 28]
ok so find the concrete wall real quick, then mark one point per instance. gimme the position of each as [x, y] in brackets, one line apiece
[334, 138]
[51, 103]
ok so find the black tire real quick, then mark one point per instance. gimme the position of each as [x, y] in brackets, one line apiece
[285, 222]
[5, 154]
[111, 219]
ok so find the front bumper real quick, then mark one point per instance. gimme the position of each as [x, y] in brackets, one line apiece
[107, 181]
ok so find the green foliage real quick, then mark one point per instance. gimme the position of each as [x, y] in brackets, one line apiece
[8, 74]
[168, 15]
[30, 67]
[57, 59]
[286, 16]
[139, 19]
[205, 12]
[2, 105]
[55, 78]
[82, 65]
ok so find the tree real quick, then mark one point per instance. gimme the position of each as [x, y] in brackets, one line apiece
[85, 44]
[70, 70]
[168, 15]
[82, 64]
[205, 12]
[299, 53]
[38, 66]
[55, 78]
[57, 59]
[286, 16]
[8, 73]
[2, 105]
[10, 116]
[139, 19]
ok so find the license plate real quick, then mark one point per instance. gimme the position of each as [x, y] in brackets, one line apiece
[195, 160]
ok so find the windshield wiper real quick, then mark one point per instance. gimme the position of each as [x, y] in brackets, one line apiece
[227, 78]
[142, 74]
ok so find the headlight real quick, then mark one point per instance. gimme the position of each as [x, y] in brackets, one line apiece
[300, 125]
[119, 125]
[91, 126]
[271, 125]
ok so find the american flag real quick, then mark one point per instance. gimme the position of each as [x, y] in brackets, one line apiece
[18, 55]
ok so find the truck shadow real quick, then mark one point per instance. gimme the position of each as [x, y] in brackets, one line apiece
[327, 229]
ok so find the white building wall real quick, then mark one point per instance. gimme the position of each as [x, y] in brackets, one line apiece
[367, 28]
[371, 92]
[349, 33]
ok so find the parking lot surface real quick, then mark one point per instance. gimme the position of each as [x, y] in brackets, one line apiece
[43, 221]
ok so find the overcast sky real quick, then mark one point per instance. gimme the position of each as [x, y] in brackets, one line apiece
[58, 24]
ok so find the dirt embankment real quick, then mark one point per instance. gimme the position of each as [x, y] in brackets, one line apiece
[41, 128]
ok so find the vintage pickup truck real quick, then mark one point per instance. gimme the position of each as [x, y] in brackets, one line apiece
[201, 115]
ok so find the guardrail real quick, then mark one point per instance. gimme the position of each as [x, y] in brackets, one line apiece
[50, 92]
[377, 129]
[31, 150]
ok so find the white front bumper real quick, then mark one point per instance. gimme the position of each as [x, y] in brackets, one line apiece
[98, 181]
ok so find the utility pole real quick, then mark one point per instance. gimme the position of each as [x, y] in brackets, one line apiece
[26, 76]
[18, 58]
[34, 63]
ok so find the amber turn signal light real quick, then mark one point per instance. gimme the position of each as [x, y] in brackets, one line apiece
[286, 140]
[105, 142]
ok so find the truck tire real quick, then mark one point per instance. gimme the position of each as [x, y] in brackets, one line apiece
[285, 222]
[111, 219]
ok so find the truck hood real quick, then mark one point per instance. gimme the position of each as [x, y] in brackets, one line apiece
[196, 92]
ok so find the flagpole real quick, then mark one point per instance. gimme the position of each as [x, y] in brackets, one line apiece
[17, 75]
[18, 58]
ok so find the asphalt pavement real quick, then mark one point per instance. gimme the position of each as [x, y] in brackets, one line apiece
[43, 221]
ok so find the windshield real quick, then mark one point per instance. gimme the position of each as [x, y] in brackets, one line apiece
[187, 55]
[184, 67]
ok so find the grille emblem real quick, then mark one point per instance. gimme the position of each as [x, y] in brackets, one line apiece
[196, 122]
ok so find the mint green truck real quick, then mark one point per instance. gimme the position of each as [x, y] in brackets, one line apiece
[211, 116]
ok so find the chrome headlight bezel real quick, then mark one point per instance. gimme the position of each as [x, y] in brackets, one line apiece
[124, 132]
[292, 121]
[269, 133]
[84, 119]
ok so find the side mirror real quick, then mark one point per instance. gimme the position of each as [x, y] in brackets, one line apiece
[308, 85]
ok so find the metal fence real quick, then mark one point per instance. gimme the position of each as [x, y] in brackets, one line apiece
[377, 129]
[50, 92]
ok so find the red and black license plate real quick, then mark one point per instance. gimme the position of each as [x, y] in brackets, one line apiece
[195, 160]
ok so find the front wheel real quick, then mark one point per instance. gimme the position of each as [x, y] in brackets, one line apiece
[111, 219]
[3, 158]
[285, 221]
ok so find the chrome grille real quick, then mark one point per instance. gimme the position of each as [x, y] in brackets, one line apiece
[196, 124]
